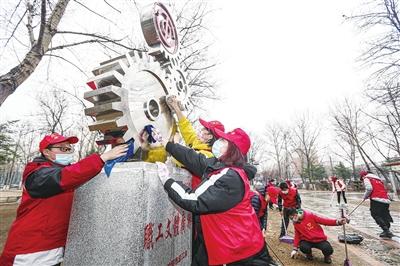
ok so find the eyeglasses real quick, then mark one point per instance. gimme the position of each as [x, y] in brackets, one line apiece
[63, 149]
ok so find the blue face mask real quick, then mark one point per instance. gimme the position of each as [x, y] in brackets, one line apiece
[216, 148]
[64, 158]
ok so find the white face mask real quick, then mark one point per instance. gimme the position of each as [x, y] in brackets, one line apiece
[285, 191]
[64, 158]
[217, 148]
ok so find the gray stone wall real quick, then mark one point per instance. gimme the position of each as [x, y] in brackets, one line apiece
[127, 219]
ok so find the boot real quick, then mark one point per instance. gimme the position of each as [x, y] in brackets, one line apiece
[327, 259]
[386, 234]
[309, 256]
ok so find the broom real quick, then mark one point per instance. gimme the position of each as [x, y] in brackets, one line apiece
[285, 239]
[346, 260]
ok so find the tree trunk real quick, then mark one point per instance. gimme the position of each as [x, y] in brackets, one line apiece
[10, 81]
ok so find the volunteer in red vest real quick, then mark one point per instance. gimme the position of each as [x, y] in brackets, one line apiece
[271, 195]
[339, 187]
[260, 207]
[376, 192]
[230, 226]
[202, 143]
[39, 232]
[291, 199]
[308, 233]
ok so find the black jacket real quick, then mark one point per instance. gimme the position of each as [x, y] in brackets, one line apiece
[218, 194]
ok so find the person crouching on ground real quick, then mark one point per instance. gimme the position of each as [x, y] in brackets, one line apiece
[291, 199]
[379, 201]
[230, 226]
[39, 232]
[308, 233]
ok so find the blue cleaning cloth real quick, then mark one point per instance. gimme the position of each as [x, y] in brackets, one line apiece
[108, 166]
[149, 130]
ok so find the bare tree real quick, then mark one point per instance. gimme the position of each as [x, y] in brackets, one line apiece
[305, 136]
[274, 134]
[382, 52]
[42, 19]
[256, 154]
[54, 115]
[387, 116]
[348, 151]
[351, 125]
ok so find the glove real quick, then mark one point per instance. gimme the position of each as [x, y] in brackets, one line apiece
[163, 172]
[342, 221]
[293, 253]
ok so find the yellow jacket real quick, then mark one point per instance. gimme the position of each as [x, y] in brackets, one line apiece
[190, 138]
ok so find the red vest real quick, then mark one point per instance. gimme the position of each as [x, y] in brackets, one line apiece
[195, 181]
[378, 189]
[273, 192]
[263, 206]
[289, 200]
[42, 223]
[235, 234]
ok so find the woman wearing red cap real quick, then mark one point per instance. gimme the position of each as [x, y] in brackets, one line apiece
[201, 143]
[39, 232]
[230, 226]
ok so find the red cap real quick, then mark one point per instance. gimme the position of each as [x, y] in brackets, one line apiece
[55, 138]
[237, 137]
[363, 173]
[212, 125]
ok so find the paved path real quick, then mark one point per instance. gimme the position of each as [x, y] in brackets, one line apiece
[361, 222]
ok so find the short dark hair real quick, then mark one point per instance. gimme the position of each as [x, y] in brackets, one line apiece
[233, 156]
[283, 185]
[291, 211]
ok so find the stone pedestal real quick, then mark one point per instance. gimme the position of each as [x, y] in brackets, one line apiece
[127, 219]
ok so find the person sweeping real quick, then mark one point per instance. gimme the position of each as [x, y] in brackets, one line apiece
[291, 199]
[339, 187]
[309, 233]
[376, 192]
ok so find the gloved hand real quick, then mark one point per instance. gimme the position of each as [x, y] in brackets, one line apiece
[342, 221]
[163, 172]
[293, 253]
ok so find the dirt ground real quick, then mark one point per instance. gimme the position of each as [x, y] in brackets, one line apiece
[7, 216]
[282, 250]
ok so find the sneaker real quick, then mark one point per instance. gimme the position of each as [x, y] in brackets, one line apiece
[309, 256]
[386, 234]
[337, 204]
[328, 260]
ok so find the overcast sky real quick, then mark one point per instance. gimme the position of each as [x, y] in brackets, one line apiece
[281, 58]
[277, 59]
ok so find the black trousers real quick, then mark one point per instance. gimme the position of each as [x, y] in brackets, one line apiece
[338, 193]
[286, 219]
[262, 258]
[381, 214]
[324, 246]
[199, 252]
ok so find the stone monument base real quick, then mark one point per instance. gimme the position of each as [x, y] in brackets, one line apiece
[127, 219]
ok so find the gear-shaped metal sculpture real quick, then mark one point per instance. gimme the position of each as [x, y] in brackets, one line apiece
[129, 91]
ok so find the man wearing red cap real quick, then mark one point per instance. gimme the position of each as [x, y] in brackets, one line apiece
[230, 226]
[39, 232]
[379, 201]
